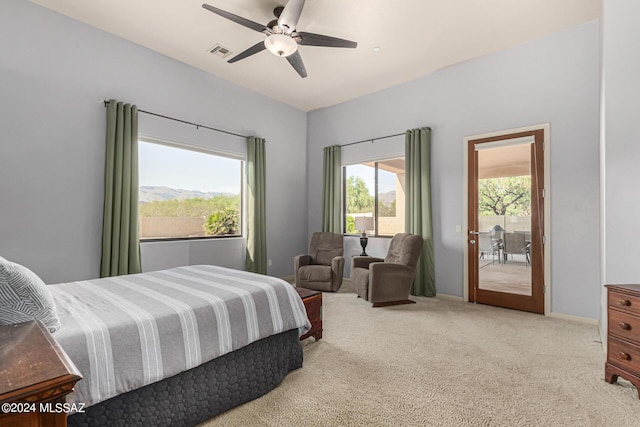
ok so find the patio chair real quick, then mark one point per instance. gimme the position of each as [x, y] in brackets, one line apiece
[497, 239]
[514, 243]
[486, 246]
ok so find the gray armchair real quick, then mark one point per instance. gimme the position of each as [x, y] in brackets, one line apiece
[388, 281]
[323, 267]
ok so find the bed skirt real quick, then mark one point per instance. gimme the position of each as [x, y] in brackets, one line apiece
[199, 394]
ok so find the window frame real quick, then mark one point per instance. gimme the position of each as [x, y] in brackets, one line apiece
[375, 201]
[203, 150]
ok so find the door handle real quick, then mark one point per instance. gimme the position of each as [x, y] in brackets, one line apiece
[473, 242]
[471, 232]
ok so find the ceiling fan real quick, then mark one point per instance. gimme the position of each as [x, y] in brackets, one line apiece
[282, 38]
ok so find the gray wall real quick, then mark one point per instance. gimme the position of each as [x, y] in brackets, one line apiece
[620, 148]
[555, 80]
[53, 73]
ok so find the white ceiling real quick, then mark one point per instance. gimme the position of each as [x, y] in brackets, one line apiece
[499, 162]
[416, 38]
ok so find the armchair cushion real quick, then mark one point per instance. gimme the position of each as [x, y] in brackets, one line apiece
[315, 273]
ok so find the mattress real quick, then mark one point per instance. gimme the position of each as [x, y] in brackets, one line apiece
[126, 332]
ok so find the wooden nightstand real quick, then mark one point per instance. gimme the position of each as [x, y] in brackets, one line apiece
[35, 375]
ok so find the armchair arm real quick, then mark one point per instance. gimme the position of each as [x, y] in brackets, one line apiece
[299, 261]
[337, 269]
[363, 261]
[390, 282]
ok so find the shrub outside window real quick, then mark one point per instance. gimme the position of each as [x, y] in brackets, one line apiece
[186, 193]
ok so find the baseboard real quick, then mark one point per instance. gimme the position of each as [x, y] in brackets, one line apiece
[554, 315]
[575, 318]
[450, 297]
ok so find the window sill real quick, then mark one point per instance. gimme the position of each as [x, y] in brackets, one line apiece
[189, 239]
[368, 235]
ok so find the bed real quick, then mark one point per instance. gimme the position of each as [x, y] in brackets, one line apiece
[179, 346]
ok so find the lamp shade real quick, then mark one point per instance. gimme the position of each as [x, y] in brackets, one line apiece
[364, 223]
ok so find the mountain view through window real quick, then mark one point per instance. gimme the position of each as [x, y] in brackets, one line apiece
[185, 193]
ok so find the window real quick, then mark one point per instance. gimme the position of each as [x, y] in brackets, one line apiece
[184, 193]
[375, 190]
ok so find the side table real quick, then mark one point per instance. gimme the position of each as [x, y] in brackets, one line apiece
[313, 304]
[35, 376]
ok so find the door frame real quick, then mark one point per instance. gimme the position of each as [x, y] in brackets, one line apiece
[546, 128]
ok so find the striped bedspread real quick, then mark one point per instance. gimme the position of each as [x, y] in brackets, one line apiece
[129, 331]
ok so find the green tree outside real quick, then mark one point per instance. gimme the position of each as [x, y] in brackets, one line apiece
[509, 195]
[358, 198]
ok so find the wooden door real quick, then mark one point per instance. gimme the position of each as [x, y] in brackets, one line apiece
[506, 221]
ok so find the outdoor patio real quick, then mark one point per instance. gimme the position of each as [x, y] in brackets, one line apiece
[512, 276]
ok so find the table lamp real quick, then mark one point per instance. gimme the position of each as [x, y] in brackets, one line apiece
[364, 223]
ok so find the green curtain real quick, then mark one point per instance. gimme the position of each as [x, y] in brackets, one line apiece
[331, 189]
[256, 258]
[120, 241]
[418, 205]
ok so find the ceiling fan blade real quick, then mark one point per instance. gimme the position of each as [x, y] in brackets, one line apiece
[288, 19]
[311, 39]
[296, 62]
[235, 18]
[258, 47]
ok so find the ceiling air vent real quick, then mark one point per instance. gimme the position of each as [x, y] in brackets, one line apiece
[220, 51]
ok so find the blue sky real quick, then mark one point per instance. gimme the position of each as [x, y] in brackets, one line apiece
[161, 165]
[165, 166]
[386, 180]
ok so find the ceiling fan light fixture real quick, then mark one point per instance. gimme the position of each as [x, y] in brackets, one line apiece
[280, 44]
[282, 35]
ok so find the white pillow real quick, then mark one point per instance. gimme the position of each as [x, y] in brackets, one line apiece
[24, 297]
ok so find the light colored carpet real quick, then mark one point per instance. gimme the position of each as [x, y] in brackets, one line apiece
[444, 363]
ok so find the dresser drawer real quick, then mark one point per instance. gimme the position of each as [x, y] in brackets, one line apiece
[624, 355]
[621, 301]
[624, 325]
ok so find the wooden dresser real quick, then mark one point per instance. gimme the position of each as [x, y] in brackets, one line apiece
[35, 377]
[623, 334]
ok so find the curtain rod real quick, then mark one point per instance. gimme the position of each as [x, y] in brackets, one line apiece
[185, 122]
[375, 139]
[372, 139]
